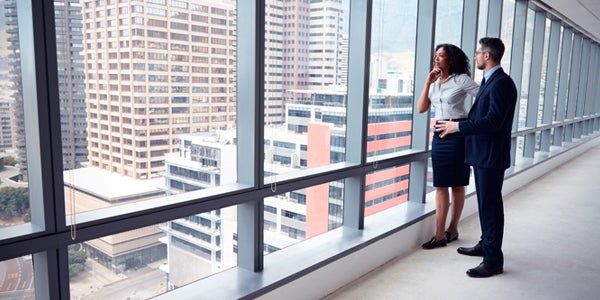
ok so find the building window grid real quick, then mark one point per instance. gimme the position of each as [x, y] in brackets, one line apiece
[592, 115]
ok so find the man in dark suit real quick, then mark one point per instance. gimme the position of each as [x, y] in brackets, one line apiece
[487, 132]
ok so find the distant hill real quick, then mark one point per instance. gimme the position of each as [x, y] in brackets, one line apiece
[398, 26]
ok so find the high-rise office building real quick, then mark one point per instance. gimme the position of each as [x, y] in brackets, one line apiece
[69, 47]
[155, 69]
[5, 124]
[304, 49]
[14, 58]
[325, 43]
[71, 84]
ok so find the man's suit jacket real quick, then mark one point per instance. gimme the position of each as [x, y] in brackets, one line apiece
[489, 123]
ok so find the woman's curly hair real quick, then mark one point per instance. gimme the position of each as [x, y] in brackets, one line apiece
[459, 62]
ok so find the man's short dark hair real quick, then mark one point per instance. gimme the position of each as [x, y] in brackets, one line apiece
[494, 46]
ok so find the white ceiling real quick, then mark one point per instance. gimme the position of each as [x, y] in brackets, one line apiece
[584, 13]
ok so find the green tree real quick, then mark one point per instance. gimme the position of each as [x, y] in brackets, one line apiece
[77, 260]
[10, 161]
[14, 201]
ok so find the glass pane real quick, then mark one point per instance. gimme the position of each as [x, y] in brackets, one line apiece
[526, 69]
[519, 150]
[306, 70]
[482, 18]
[299, 215]
[200, 245]
[149, 261]
[481, 32]
[386, 188]
[14, 192]
[506, 31]
[148, 98]
[392, 76]
[544, 72]
[448, 23]
[555, 96]
[16, 278]
[119, 266]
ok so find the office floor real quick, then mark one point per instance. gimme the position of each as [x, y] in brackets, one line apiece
[551, 248]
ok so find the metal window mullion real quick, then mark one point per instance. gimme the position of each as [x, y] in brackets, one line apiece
[357, 110]
[494, 18]
[550, 89]
[250, 135]
[426, 16]
[40, 154]
[573, 86]
[563, 84]
[469, 35]
[535, 75]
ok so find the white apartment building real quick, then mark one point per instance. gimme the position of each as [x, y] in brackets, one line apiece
[155, 69]
[208, 240]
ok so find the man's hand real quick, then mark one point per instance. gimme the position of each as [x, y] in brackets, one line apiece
[445, 127]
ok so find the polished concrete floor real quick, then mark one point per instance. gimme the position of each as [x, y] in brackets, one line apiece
[551, 248]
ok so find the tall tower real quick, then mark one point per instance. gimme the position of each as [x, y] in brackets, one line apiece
[155, 69]
[15, 75]
[69, 47]
[325, 43]
[70, 78]
[303, 51]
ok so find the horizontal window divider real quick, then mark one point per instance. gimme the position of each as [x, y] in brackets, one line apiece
[25, 243]
[116, 219]
[528, 130]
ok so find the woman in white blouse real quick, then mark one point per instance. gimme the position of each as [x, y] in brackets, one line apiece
[446, 88]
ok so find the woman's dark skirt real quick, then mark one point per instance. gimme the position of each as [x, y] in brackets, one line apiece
[448, 161]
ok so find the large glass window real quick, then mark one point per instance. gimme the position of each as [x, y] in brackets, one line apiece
[152, 260]
[298, 215]
[16, 278]
[543, 99]
[506, 32]
[15, 206]
[305, 84]
[522, 114]
[481, 32]
[448, 23]
[386, 188]
[116, 151]
[391, 81]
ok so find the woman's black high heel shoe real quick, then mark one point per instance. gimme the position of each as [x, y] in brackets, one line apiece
[451, 238]
[433, 243]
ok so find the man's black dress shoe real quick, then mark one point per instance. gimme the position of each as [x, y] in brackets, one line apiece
[484, 270]
[476, 250]
[433, 243]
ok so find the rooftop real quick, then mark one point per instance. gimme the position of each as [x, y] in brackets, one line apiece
[110, 186]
